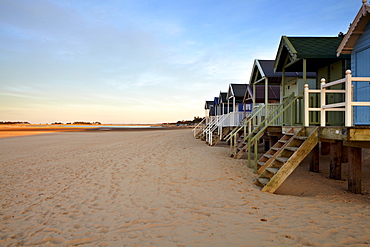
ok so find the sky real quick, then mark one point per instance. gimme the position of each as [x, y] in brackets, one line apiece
[142, 61]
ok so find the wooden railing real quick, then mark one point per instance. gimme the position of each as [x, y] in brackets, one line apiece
[199, 128]
[211, 128]
[346, 106]
[246, 123]
[254, 136]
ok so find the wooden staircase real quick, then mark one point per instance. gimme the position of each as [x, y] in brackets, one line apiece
[275, 150]
[244, 143]
[294, 148]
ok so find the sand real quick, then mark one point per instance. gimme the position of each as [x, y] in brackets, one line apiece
[163, 188]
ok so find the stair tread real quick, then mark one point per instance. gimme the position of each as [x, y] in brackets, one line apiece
[300, 137]
[263, 181]
[276, 149]
[282, 159]
[283, 141]
[292, 148]
[261, 163]
[272, 170]
[268, 155]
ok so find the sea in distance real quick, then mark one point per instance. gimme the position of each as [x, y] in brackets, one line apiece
[98, 126]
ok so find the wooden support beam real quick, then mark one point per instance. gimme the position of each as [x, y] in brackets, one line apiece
[344, 154]
[333, 133]
[354, 169]
[325, 148]
[336, 160]
[315, 159]
[359, 134]
[357, 144]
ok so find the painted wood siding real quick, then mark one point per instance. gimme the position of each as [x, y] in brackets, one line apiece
[361, 67]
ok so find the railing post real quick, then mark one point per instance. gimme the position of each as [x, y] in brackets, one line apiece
[306, 99]
[249, 153]
[348, 99]
[323, 102]
[235, 144]
[255, 155]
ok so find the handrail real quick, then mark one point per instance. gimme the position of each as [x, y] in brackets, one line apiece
[245, 122]
[346, 106]
[198, 126]
[209, 133]
[271, 118]
[209, 125]
[263, 123]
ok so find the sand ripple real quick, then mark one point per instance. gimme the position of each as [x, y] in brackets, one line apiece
[162, 188]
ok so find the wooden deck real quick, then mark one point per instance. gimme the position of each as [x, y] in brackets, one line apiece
[343, 144]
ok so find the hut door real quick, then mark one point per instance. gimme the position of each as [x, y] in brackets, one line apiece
[362, 89]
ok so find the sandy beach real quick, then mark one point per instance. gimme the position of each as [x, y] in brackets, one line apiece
[165, 188]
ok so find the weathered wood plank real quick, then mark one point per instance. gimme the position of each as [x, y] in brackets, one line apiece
[325, 148]
[268, 162]
[357, 144]
[292, 163]
[354, 169]
[332, 133]
[336, 160]
[358, 134]
[344, 154]
[315, 159]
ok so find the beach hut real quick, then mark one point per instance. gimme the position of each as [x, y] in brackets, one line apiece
[210, 115]
[264, 77]
[266, 90]
[315, 54]
[223, 104]
[235, 96]
[356, 43]
[209, 107]
[314, 111]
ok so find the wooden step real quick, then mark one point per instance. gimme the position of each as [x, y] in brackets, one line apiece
[300, 138]
[293, 149]
[268, 156]
[272, 170]
[275, 149]
[263, 181]
[291, 163]
[282, 159]
[260, 163]
[282, 141]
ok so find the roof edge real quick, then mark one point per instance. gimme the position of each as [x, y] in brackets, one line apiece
[364, 10]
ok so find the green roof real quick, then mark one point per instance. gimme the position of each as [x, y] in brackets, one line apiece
[316, 47]
[318, 51]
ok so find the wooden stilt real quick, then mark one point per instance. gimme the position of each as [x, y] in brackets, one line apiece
[315, 159]
[336, 160]
[345, 154]
[354, 169]
[325, 148]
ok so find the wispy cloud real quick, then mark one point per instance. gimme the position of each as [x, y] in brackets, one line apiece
[114, 58]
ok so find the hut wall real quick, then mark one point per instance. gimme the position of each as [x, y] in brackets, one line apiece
[361, 68]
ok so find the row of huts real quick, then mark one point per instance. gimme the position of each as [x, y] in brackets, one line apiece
[314, 97]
